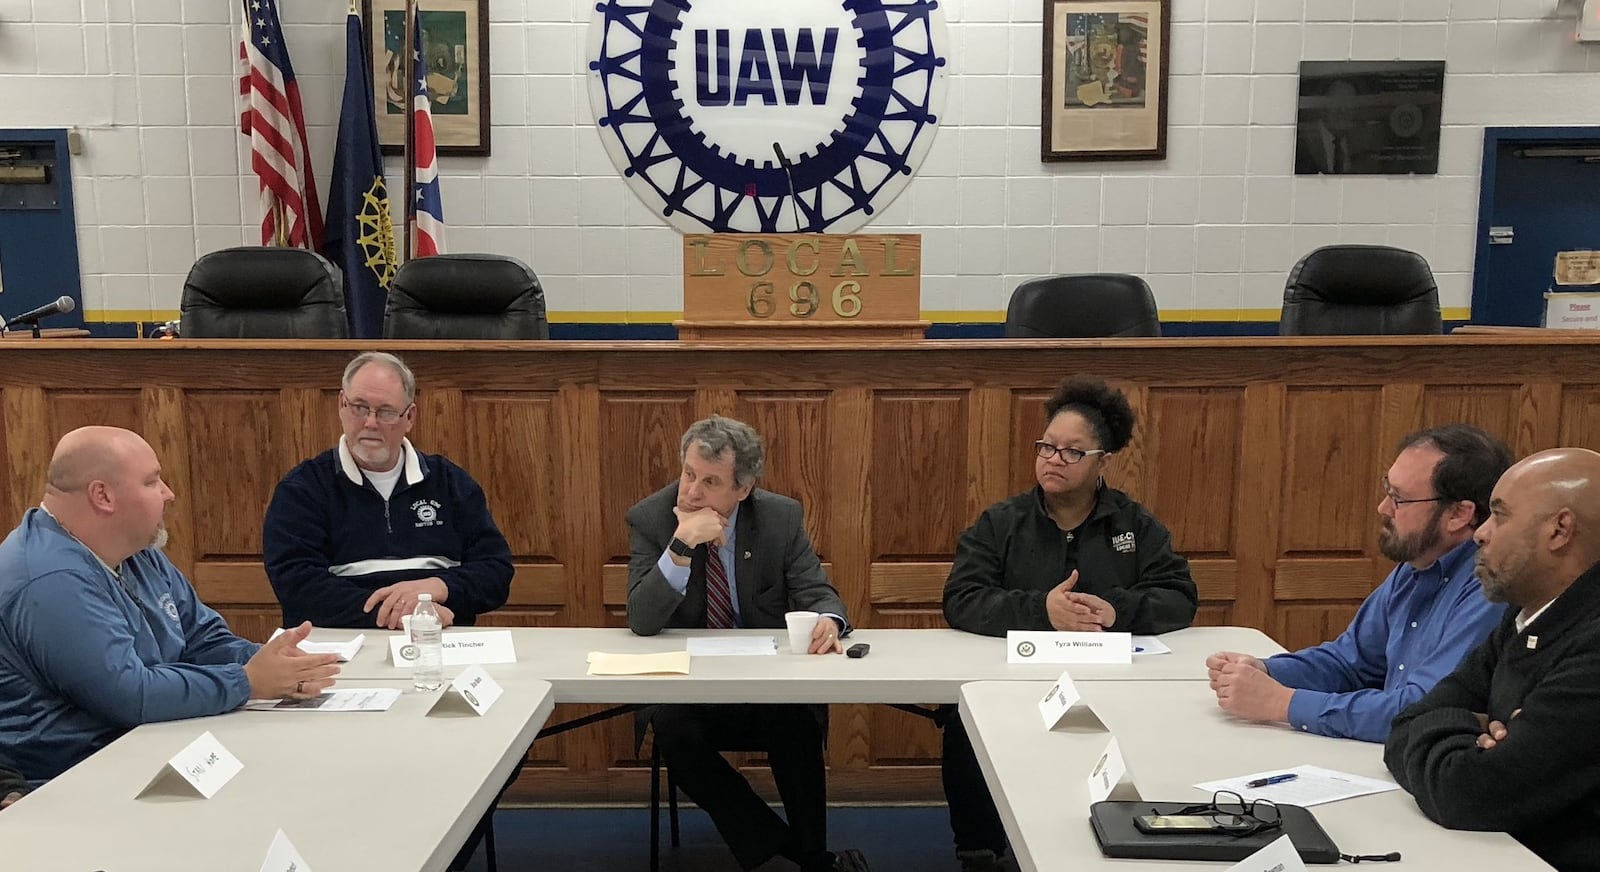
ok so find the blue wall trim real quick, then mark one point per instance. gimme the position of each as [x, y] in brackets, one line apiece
[632, 332]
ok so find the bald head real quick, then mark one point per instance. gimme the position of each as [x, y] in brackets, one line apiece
[90, 454]
[104, 487]
[1544, 527]
[1561, 479]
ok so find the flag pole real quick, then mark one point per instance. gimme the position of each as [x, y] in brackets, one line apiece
[409, 150]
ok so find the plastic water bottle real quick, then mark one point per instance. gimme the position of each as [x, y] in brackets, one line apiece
[427, 634]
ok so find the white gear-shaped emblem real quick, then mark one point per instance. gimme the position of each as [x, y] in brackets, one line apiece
[695, 98]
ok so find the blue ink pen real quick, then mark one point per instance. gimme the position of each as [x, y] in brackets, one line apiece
[1276, 779]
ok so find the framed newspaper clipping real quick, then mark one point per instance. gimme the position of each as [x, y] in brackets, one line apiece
[1105, 87]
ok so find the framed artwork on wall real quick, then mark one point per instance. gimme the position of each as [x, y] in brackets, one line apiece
[1105, 79]
[455, 52]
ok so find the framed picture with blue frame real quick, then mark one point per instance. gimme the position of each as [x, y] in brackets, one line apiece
[1104, 94]
[455, 51]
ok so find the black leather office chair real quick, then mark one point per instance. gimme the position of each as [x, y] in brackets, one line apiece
[1082, 307]
[466, 296]
[1352, 290]
[255, 292]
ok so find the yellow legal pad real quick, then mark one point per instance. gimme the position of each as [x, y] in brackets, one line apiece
[664, 663]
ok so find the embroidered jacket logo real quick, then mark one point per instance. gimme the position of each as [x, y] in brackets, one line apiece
[169, 606]
[427, 513]
[1122, 543]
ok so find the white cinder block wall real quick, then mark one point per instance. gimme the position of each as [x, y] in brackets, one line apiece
[162, 179]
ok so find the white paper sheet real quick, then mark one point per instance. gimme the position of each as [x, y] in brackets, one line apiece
[1144, 646]
[1312, 785]
[346, 650]
[366, 699]
[732, 646]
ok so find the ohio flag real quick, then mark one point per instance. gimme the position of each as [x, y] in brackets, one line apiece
[426, 207]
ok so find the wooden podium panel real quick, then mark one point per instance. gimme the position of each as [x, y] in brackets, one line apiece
[1262, 456]
[806, 287]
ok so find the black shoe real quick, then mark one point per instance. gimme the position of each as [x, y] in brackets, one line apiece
[849, 860]
[985, 860]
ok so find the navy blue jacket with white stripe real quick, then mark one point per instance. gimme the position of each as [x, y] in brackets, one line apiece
[330, 539]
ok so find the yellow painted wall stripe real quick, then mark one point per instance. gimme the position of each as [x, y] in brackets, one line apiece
[1234, 316]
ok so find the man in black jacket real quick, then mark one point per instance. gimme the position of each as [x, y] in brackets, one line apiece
[1506, 742]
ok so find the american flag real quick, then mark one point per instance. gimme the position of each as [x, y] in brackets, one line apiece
[427, 206]
[273, 120]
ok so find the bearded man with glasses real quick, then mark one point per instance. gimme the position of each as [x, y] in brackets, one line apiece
[1072, 554]
[1418, 624]
[353, 535]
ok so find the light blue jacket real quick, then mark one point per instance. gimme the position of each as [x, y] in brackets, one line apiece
[85, 657]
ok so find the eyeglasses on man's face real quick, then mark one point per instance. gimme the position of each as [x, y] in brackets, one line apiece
[1398, 501]
[1067, 455]
[384, 414]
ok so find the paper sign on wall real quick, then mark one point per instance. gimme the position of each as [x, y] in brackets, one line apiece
[472, 690]
[1278, 856]
[203, 766]
[282, 857]
[1026, 646]
[460, 649]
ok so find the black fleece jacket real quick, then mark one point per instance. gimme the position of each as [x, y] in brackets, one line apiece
[1015, 553]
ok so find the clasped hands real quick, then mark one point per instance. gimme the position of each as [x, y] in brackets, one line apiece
[1071, 611]
[1244, 688]
[400, 599]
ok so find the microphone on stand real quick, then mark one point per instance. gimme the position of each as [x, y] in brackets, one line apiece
[61, 306]
[788, 172]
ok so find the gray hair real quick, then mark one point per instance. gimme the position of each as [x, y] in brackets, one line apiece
[717, 435]
[408, 382]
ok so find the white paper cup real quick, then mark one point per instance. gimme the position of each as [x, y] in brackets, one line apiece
[801, 626]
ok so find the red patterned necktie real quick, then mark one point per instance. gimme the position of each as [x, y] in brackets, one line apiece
[719, 605]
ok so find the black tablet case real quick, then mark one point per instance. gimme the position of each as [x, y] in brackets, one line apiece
[1118, 837]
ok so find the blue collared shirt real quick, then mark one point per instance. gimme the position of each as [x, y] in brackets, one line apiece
[1408, 634]
[678, 576]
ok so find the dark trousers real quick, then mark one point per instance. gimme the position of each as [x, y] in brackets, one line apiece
[973, 816]
[690, 738]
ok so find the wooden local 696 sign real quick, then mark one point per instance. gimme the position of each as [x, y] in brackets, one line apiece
[764, 286]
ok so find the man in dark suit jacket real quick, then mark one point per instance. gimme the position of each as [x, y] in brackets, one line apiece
[711, 551]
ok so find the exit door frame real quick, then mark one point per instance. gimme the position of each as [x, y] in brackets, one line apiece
[1493, 138]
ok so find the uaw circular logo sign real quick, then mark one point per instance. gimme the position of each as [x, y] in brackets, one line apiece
[732, 115]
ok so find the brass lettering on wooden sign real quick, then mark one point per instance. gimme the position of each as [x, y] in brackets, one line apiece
[772, 278]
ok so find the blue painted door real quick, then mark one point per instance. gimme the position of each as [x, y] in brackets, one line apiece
[1551, 203]
[38, 233]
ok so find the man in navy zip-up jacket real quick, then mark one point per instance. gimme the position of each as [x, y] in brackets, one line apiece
[353, 535]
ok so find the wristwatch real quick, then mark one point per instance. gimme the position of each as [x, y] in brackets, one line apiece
[681, 548]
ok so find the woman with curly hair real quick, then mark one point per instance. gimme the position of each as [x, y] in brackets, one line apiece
[1071, 553]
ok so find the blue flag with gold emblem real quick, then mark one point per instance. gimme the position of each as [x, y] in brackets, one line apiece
[360, 233]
